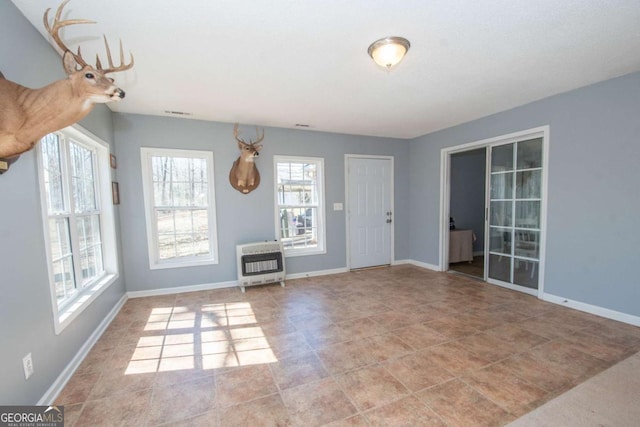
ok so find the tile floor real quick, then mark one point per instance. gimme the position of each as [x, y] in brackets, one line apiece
[390, 346]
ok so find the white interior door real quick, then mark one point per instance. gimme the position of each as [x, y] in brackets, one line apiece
[370, 215]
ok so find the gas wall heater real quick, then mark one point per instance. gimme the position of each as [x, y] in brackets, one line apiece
[260, 263]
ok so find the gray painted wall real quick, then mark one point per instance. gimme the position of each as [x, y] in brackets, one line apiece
[467, 201]
[593, 199]
[26, 319]
[243, 218]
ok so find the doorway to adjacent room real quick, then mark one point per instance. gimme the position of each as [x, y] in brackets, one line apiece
[499, 211]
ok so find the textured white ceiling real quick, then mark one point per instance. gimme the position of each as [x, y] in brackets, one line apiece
[286, 62]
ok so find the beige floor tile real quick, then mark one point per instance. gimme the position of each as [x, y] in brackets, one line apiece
[452, 327]
[362, 328]
[96, 360]
[522, 338]
[111, 385]
[420, 336]
[169, 377]
[489, 347]
[394, 319]
[504, 388]
[297, 370]
[288, 345]
[317, 403]
[563, 356]
[455, 357]
[418, 371]
[459, 405]
[384, 347]
[544, 327]
[345, 356]
[72, 413]
[122, 409]
[77, 389]
[407, 411]
[268, 411]
[327, 335]
[371, 386]
[178, 402]
[208, 419]
[537, 372]
[244, 384]
[355, 421]
[608, 348]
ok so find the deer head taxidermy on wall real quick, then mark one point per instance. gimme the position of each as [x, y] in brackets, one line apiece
[27, 115]
[244, 175]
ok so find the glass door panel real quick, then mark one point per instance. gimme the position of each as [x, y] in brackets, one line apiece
[527, 214]
[501, 185]
[529, 154]
[528, 184]
[526, 244]
[525, 273]
[502, 158]
[500, 241]
[500, 267]
[514, 212]
[502, 213]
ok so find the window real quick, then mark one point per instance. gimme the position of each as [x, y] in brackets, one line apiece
[300, 204]
[180, 207]
[78, 220]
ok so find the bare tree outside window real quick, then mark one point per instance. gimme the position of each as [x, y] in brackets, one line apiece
[179, 187]
[75, 240]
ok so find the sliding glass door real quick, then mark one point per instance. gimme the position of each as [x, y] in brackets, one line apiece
[514, 217]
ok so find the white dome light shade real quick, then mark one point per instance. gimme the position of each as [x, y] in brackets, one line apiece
[389, 51]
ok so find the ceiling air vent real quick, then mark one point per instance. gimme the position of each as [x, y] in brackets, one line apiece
[177, 113]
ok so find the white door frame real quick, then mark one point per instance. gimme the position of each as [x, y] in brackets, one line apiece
[348, 207]
[445, 200]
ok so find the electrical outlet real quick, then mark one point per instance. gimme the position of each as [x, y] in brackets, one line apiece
[27, 364]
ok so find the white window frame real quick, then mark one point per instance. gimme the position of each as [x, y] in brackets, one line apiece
[146, 153]
[321, 228]
[64, 314]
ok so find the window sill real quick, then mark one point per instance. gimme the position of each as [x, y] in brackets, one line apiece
[296, 253]
[63, 318]
[186, 263]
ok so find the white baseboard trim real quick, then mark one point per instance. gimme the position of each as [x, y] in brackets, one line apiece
[418, 264]
[220, 285]
[182, 289]
[64, 377]
[316, 273]
[593, 309]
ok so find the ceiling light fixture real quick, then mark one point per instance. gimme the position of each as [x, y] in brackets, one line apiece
[389, 51]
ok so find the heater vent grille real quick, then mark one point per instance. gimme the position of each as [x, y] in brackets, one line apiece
[260, 263]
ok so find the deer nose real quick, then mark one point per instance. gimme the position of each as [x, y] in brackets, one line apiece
[120, 93]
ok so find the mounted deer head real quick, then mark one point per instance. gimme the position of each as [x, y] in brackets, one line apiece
[244, 175]
[27, 115]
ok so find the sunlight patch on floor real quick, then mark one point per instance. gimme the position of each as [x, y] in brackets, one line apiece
[211, 336]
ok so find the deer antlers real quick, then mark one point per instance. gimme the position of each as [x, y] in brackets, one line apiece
[54, 32]
[242, 141]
